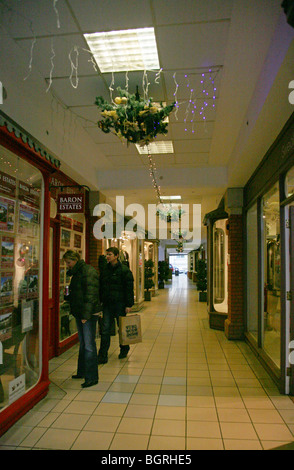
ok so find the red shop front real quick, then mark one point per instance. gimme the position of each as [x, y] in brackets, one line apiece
[25, 170]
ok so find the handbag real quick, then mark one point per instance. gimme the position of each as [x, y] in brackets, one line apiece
[130, 329]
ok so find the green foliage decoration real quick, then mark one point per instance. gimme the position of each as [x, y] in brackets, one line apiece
[201, 275]
[148, 275]
[129, 117]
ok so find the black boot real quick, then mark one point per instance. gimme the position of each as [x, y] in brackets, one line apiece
[123, 351]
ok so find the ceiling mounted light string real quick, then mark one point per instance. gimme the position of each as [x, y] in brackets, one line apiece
[152, 172]
[176, 96]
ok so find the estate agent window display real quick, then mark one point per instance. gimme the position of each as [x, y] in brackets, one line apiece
[21, 200]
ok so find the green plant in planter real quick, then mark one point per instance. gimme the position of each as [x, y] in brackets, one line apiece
[163, 271]
[148, 281]
[201, 279]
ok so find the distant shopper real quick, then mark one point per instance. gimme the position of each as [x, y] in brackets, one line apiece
[117, 296]
[84, 304]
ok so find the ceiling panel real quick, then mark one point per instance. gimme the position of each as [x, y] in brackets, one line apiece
[189, 145]
[192, 45]
[126, 161]
[159, 160]
[119, 148]
[89, 113]
[102, 138]
[95, 16]
[194, 159]
[187, 11]
[84, 94]
[34, 18]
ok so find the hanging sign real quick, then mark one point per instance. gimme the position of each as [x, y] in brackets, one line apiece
[70, 203]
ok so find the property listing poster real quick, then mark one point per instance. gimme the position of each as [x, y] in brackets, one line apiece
[19, 244]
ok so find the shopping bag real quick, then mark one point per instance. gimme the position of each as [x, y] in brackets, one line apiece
[130, 329]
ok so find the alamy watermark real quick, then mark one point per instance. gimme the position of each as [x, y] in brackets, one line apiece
[151, 222]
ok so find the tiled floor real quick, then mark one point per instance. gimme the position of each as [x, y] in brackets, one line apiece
[184, 387]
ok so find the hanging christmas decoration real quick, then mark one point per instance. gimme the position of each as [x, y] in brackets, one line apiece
[180, 245]
[129, 117]
[152, 172]
[170, 212]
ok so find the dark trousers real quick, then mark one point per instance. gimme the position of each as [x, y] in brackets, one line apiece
[110, 312]
[87, 361]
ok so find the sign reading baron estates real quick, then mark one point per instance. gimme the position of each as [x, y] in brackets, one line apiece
[70, 203]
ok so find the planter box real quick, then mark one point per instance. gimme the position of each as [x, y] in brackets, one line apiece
[147, 295]
[202, 296]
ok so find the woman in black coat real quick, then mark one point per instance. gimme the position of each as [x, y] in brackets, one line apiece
[84, 304]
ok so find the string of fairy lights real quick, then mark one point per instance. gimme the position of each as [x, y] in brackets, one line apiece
[152, 173]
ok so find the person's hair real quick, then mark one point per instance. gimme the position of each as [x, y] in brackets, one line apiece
[113, 250]
[71, 255]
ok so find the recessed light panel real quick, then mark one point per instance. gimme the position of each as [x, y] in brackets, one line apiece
[170, 198]
[126, 50]
[163, 146]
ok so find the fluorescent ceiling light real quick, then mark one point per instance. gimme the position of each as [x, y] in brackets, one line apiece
[126, 50]
[169, 198]
[163, 146]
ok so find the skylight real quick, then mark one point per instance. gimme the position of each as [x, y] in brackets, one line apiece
[126, 50]
[163, 146]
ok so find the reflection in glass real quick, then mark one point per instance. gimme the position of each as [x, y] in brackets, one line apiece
[252, 272]
[272, 274]
[289, 183]
[21, 199]
[218, 266]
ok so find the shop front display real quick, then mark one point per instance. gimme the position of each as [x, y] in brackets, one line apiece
[21, 193]
[24, 230]
[68, 232]
[132, 253]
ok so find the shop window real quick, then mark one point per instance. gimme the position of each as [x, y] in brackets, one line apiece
[252, 272]
[272, 274]
[289, 183]
[220, 266]
[131, 252]
[21, 202]
[72, 237]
